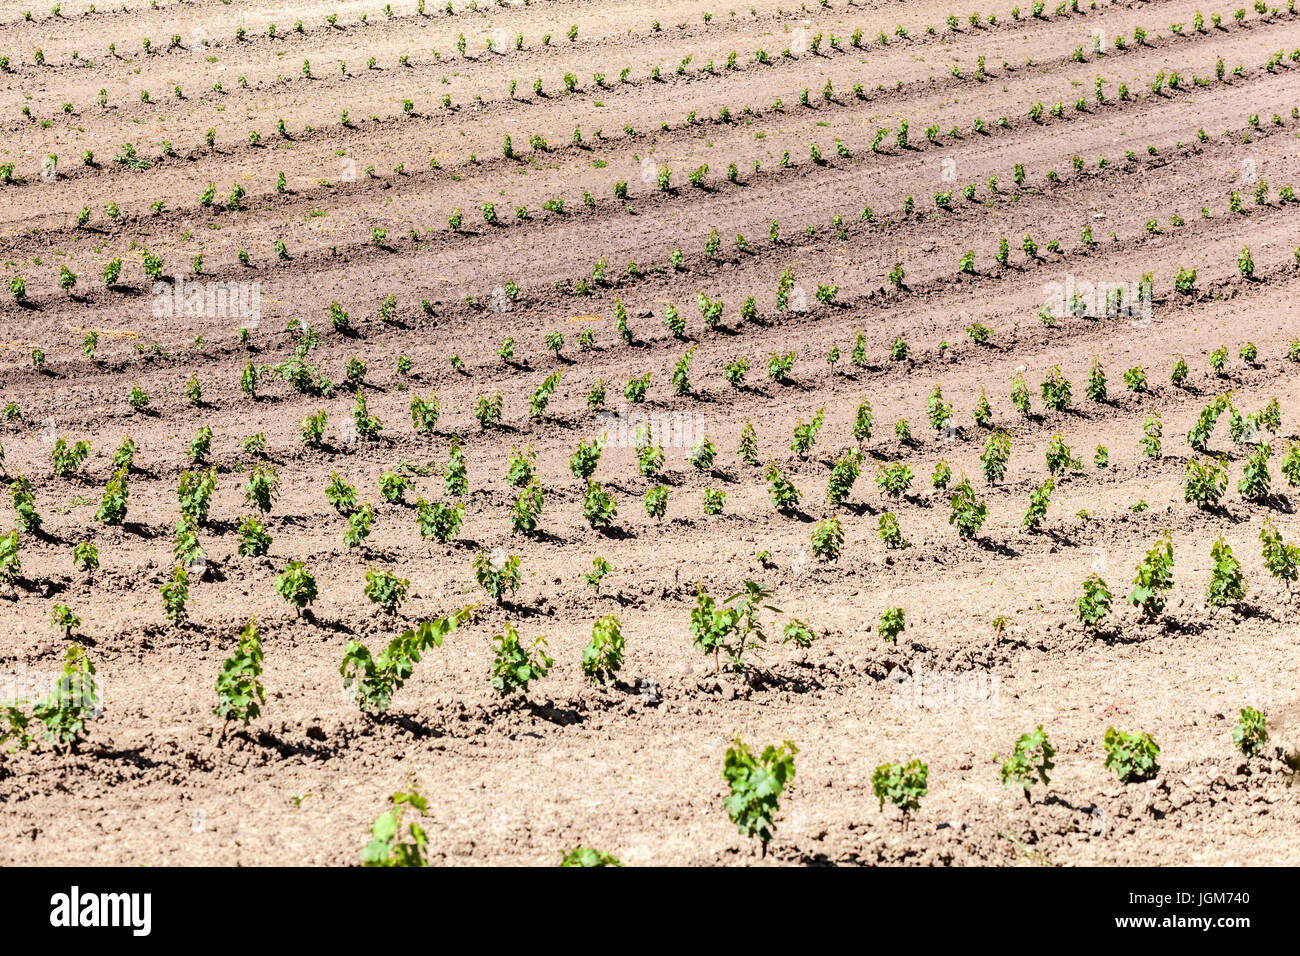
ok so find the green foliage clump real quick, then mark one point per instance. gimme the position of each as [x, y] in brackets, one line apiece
[968, 513]
[72, 703]
[296, 585]
[1282, 560]
[585, 856]
[734, 627]
[903, 785]
[498, 578]
[515, 666]
[386, 589]
[1204, 483]
[1251, 732]
[603, 657]
[439, 520]
[1227, 583]
[756, 783]
[1131, 755]
[387, 848]
[892, 622]
[1094, 603]
[240, 694]
[175, 594]
[374, 680]
[1155, 576]
[828, 539]
[1029, 762]
[1038, 502]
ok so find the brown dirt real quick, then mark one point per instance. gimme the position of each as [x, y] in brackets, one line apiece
[619, 768]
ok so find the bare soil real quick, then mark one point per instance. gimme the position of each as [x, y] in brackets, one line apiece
[634, 767]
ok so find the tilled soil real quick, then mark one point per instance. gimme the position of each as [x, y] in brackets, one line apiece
[634, 767]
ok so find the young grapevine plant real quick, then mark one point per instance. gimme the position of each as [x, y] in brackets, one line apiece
[1029, 763]
[387, 847]
[515, 665]
[1155, 577]
[903, 785]
[603, 657]
[72, 703]
[756, 783]
[372, 681]
[1132, 756]
[240, 694]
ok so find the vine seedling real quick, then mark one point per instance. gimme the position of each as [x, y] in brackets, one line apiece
[372, 681]
[387, 848]
[240, 694]
[1131, 755]
[1030, 761]
[756, 784]
[903, 785]
[73, 701]
[515, 666]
